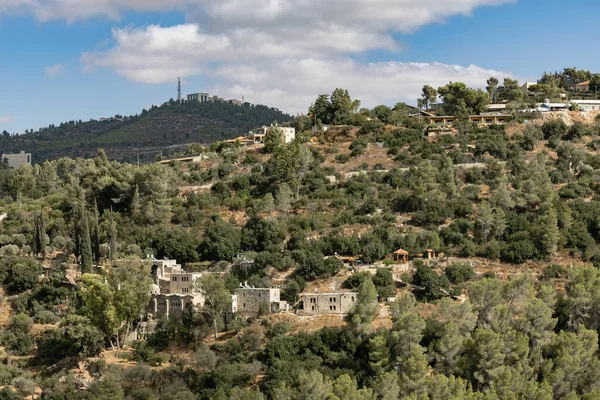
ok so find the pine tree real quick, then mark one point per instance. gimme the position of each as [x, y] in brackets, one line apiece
[363, 313]
[86, 242]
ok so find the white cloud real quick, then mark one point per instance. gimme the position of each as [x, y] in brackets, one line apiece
[255, 65]
[54, 70]
[5, 119]
[279, 52]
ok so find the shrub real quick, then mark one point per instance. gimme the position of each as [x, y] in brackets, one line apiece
[553, 271]
[342, 158]
[279, 328]
[459, 272]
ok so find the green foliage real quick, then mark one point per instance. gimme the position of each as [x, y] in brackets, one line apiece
[459, 272]
[433, 285]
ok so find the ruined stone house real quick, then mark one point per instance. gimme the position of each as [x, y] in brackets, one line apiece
[327, 303]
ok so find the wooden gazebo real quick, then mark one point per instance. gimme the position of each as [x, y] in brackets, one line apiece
[400, 256]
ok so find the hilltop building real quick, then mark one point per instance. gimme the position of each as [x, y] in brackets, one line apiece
[255, 301]
[327, 303]
[205, 97]
[17, 160]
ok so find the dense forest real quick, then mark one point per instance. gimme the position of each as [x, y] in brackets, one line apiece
[506, 310]
[171, 124]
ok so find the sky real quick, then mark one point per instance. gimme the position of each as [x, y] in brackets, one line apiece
[80, 59]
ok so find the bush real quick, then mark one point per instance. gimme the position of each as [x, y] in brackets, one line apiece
[434, 286]
[342, 158]
[553, 271]
[358, 147]
[459, 273]
[279, 328]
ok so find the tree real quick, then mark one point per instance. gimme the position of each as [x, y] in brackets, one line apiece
[428, 96]
[491, 88]
[95, 233]
[273, 139]
[284, 198]
[447, 349]
[109, 388]
[383, 113]
[343, 107]
[460, 100]
[221, 241]
[98, 305]
[132, 291]
[321, 109]
[85, 241]
[510, 90]
[112, 234]
[314, 386]
[217, 298]
[363, 313]
[39, 239]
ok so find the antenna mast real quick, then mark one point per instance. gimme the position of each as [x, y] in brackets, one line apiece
[178, 89]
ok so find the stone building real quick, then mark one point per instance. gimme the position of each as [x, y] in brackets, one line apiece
[172, 305]
[252, 300]
[16, 160]
[173, 290]
[327, 303]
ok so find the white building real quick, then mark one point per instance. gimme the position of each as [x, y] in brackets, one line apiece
[289, 134]
[17, 160]
[587, 105]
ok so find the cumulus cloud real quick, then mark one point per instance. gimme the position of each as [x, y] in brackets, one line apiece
[254, 65]
[5, 119]
[280, 52]
[54, 70]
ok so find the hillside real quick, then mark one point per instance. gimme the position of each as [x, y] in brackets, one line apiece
[499, 223]
[171, 126]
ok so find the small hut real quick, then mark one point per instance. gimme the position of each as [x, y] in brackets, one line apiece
[430, 254]
[400, 256]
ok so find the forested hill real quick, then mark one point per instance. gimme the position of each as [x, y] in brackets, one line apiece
[169, 126]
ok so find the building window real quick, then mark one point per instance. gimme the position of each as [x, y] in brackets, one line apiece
[313, 308]
[259, 295]
[488, 121]
[334, 308]
[185, 290]
[352, 298]
[334, 300]
[330, 308]
[243, 305]
[174, 279]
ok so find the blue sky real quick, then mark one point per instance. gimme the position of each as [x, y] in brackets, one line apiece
[69, 60]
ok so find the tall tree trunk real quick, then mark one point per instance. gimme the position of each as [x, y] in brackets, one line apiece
[216, 329]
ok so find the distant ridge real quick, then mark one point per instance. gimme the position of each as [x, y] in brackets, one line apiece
[169, 127]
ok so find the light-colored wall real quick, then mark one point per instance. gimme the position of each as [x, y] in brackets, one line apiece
[17, 160]
[183, 282]
[327, 303]
[172, 306]
[254, 301]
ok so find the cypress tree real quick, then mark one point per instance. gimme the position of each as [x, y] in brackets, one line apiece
[113, 237]
[95, 235]
[41, 234]
[36, 234]
[86, 243]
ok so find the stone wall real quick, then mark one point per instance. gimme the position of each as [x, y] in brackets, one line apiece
[172, 305]
[327, 303]
[257, 300]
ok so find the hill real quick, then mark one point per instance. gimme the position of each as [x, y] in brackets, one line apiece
[171, 126]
